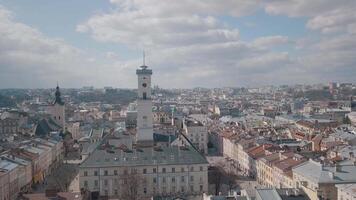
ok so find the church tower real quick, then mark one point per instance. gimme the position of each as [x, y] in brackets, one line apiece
[57, 109]
[144, 134]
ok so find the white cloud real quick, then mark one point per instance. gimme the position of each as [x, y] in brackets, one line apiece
[191, 46]
[187, 45]
[270, 41]
[187, 7]
[144, 30]
[333, 21]
[28, 58]
[328, 16]
[111, 55]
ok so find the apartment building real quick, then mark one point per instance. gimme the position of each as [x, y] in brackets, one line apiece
[197, 133]
[24, 171]
[265, 169]
[11, 171]
[237, 150]
[320, 181]
[9, 126]
[4, 185]
[282, 171]
[27, 164]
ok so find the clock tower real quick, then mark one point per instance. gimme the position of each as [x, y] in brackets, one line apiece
[144, 107]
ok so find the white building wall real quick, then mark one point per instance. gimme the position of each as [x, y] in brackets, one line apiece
[167, 180]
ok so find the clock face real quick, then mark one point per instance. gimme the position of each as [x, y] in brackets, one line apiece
[144, 85]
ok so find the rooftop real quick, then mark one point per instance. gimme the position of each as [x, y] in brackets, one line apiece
[171, 155]
[281, 194]
[268, 194]
[318, 173]
[288, 163]
[7, 165]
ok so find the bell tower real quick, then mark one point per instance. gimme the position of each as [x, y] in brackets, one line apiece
[144, 106]
[57, 109]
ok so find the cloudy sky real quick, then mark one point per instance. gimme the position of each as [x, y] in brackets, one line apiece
[188, 43]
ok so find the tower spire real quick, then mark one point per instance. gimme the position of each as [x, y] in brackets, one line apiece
[58, 96]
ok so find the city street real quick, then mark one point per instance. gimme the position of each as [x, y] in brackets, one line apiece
[64, 178]
[239, 181]
[74, 185]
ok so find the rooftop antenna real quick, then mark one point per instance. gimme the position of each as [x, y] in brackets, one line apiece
[144, 60]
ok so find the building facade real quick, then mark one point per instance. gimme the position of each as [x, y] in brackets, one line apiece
[9, 126]
[166, 171]
[197, 133]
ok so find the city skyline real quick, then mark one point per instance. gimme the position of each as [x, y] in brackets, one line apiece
[188, 44]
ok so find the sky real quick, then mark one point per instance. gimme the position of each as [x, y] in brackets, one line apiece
[188, 43]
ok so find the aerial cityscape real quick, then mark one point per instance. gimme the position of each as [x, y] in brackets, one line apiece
[177, 100]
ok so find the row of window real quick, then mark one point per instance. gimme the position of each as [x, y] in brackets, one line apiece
[154, 180]
[164, 189]
[8, 124]
[8, 130]
[173, 179]
[144, 171]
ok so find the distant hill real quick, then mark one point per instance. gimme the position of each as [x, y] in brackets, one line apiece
[6, 101]
[111, 97]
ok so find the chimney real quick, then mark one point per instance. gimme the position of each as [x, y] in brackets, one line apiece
[351, 155]
[331, 175]
[337, 167]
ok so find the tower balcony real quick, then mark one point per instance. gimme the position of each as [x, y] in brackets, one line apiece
[144, 99]
[144, 71]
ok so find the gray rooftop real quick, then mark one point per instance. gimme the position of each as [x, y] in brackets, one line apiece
[172, 155]
[268, 194]
[7, 165]
[325, 174]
